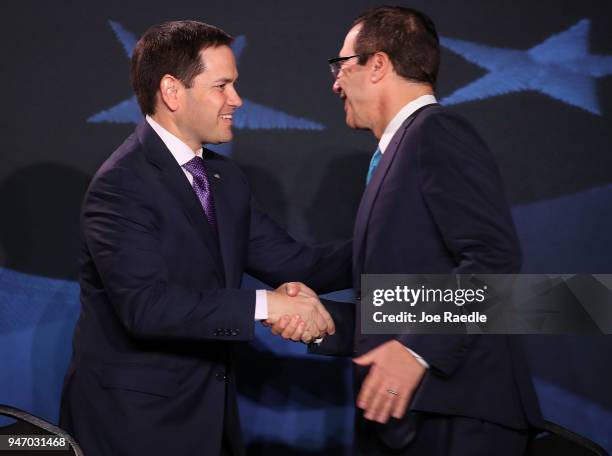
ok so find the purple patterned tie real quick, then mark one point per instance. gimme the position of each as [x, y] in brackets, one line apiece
[202, 188]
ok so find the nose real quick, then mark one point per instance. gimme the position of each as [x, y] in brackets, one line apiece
[234, 99]
[336, 87]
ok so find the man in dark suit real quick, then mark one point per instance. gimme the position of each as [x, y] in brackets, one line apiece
[168, 230]
[434, 203]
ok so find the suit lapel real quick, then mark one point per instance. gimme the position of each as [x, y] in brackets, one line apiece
[172, 177]
[225, 219]
[370, 194]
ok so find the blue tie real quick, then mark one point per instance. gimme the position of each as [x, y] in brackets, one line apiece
[373, 164]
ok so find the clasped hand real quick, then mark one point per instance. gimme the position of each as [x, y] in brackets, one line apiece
[295, 312]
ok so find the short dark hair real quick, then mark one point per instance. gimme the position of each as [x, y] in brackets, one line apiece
[406, 35]
[171, 48]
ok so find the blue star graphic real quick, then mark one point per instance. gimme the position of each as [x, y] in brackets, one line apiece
[560, 67]
[251, 115]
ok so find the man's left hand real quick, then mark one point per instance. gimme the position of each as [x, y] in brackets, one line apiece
[394, 376]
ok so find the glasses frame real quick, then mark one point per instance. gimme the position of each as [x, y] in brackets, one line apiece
[335, 64]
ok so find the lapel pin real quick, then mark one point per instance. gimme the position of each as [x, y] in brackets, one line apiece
[217, 176]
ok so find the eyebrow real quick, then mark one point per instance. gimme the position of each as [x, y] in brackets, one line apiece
[225, 80]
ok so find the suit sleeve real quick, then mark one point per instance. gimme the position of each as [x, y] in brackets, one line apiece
[122, 234]
[463, 191]
[341, 343]
[443, 353]
[274, 257]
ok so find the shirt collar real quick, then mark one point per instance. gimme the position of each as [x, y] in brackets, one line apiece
[401, 116]
[181, 152]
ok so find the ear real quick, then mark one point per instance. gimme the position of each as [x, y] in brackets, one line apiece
[380, 66]
[169, 88]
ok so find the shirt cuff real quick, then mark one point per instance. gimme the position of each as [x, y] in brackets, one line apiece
[261, 305]
[419, 359]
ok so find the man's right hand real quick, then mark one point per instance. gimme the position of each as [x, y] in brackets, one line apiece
[302, 311]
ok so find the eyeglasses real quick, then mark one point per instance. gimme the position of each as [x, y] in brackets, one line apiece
[335, 64]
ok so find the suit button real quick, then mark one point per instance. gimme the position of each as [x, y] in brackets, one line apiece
[220, 376]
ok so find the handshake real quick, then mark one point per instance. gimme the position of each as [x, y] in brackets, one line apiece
[295, 312]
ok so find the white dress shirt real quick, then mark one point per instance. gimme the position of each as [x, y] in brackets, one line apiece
[182, 153]
[400, 117]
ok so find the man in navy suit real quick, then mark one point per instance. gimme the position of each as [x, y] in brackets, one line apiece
[168, 229]
[433, 203]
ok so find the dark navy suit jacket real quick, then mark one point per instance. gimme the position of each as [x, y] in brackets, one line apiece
[151, 371]
[436, 205]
